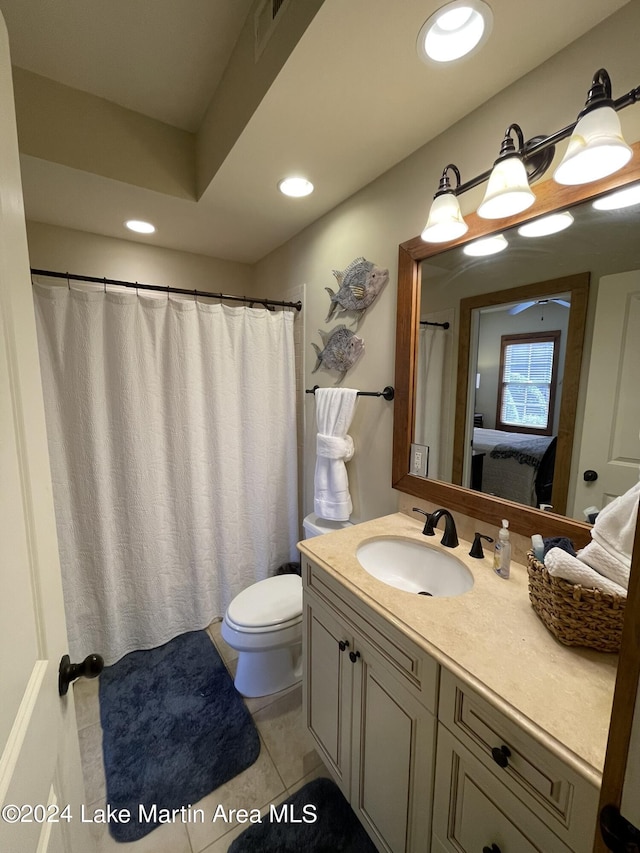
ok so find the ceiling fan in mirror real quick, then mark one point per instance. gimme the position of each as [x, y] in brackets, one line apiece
[522, 306]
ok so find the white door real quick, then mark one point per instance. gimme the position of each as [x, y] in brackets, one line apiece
[39, 756]
[610, 444]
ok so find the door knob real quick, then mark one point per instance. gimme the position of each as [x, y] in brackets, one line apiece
[590, 476]
[90, 667]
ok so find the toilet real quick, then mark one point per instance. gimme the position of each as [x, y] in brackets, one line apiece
[263, 624]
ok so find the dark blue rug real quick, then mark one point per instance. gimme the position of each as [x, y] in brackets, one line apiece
[316, 819]
[174, 729]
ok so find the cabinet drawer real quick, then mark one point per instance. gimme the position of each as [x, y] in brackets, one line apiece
[416, 668]
[473, 810]
[563, 799]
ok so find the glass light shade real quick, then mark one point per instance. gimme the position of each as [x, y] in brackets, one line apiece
[486, 246]
[508, 190]
[596, 149]
[445, 220]
[454, 30]
[622, 198]
[546, 225]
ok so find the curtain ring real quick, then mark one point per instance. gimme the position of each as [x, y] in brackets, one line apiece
[104, 285]
[137, 294]
[68, 281]
[195, 295]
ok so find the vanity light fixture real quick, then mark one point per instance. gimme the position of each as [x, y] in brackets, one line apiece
[445, 219]
[140, 226]
[546, 225]
[295, 187]
[615, 201]
[508, 190]
[596, 149]
[486, 246]
[454, 31]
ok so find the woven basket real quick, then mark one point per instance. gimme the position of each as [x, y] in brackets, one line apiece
[575, 616]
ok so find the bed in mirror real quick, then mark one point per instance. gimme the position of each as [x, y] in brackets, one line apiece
[498, 424]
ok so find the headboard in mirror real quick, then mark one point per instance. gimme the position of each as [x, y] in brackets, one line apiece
[416, 260]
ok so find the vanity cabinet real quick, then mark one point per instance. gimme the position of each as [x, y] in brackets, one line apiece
[406, 739]
[369, 702]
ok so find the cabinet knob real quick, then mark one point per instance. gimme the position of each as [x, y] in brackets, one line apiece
[493, 849]
[500, 755]
[353, 656]
[343, 644]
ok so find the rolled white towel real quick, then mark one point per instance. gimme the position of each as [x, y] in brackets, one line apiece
[560, 564]
[605, 563]
[615, 526]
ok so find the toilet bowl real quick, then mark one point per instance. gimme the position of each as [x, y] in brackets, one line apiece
[263, 624]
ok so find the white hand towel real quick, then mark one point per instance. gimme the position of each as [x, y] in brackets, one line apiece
[334, 413]
[560, 564]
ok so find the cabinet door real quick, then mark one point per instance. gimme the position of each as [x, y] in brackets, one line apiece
[393, 754]
[474, 812]
[327, 688]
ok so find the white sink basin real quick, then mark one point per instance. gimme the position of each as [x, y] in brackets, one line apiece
[414, 567]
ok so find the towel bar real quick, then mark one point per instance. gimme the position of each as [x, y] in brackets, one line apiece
[388, 393]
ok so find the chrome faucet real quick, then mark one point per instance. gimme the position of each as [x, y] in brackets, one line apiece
[450, 535]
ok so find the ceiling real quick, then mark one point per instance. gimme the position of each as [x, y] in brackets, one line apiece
[351, 100]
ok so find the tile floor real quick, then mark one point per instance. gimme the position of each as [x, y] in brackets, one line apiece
[287, 761]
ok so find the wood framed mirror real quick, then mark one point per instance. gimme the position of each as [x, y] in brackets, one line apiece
[550, 197]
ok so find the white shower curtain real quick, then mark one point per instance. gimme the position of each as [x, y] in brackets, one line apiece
[429, 394]
[172, 435]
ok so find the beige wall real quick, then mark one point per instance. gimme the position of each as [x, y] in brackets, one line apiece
[394, 208]
[67, 250]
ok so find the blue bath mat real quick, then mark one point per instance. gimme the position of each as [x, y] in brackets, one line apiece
[316, 819]
[174, 729]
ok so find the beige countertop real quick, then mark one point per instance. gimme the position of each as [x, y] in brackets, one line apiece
[492, 639]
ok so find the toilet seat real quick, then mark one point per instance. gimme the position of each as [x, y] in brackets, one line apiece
[273, 604]
[262, 629]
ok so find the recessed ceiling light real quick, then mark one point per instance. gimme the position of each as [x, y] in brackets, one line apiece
[296, 187]
[546, 225]
[622, 198]
[454, 31]
[139, 226]
[486, 246]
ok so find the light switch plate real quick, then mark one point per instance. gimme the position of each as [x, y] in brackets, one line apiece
[419, 463]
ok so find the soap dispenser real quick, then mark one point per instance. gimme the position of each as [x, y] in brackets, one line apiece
[502, 552]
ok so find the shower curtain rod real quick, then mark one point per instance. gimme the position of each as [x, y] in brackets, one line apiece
[165, 289]
[429, 323]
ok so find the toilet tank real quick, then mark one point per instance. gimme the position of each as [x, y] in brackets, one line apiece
[315, 526]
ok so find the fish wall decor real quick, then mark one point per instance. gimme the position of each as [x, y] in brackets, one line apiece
[341, 349]
[360, 283]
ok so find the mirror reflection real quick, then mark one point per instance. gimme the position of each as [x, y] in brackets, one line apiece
[493, 383]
